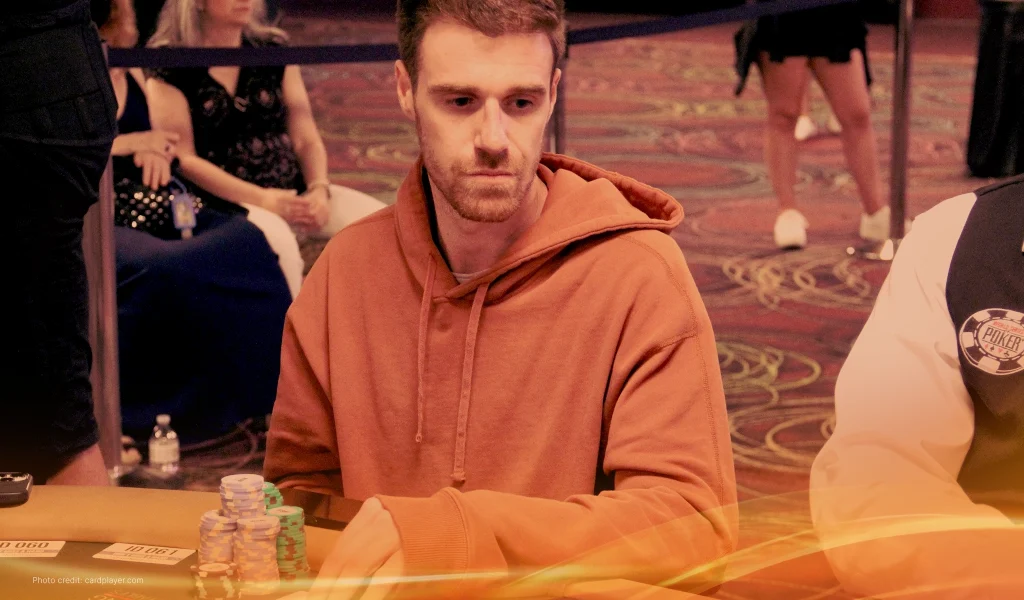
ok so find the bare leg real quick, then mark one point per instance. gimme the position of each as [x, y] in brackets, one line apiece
[784, 87]
[87, 468]
[847, 92]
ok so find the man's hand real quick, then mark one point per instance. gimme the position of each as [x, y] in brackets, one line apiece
[367, 555]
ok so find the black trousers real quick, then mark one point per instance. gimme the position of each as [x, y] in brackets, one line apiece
[57, 123]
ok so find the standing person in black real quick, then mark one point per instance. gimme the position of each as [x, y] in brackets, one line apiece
[831, 43]
[57, 123]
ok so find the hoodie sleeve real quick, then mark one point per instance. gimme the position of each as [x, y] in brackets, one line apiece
[884, 494]
[673, 509]
[302, 446]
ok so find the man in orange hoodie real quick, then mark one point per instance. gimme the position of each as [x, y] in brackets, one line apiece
[512, 365]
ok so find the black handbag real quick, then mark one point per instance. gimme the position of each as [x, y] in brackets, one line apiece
[746, 53]
[138, 206]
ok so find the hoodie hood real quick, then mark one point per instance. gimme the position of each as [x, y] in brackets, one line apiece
[583, 201]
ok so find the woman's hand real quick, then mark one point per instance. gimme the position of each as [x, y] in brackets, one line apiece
[156, 168]
[308, 212]
[286, 203]
[318, 207]
[156, 141]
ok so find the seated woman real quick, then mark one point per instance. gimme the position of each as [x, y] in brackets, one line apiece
[248, 134]
[199, 320]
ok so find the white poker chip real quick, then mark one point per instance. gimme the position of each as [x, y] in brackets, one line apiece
[243, 480]
[215, 568]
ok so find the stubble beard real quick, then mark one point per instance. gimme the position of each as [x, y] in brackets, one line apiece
[473, 198]
[485, 202]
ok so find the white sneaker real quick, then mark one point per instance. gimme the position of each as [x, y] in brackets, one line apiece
[805, 128]
[791, 229]
[876, 227]
[833, 126]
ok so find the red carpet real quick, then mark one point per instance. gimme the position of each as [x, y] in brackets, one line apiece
[661, 109]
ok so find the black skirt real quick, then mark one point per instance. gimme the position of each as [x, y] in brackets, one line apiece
[830, 32]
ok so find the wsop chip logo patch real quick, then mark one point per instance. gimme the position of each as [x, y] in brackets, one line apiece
[993, 341]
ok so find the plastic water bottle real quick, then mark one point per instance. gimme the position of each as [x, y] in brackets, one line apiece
[163, 446]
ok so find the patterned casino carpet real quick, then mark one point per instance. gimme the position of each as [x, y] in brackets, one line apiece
[661, 109]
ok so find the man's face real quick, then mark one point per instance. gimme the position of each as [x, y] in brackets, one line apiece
[481, 105]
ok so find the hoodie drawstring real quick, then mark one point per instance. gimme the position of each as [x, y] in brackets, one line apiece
[459, 468]
[421, 350]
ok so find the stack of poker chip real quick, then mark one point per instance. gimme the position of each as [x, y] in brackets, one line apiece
[255, 552]
[241, 496]
[216, 581]
[291, 542]
[272, 496]
[216, 538]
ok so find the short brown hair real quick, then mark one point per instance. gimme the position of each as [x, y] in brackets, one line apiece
[490, 17]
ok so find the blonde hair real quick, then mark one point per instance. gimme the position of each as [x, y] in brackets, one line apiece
[180, 25]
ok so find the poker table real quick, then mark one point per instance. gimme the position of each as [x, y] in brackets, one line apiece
[89, 520]
[164, 523]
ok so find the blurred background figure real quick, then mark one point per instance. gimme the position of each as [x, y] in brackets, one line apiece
[995, 144]
[56, 128]
[199, 319]
[148, 11]
[831, 41]
[247, 135]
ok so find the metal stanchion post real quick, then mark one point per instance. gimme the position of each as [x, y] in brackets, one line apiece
[901, 119]
[98, 250]
[900, 137]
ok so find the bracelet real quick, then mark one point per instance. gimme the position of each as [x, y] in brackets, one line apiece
[324, 183]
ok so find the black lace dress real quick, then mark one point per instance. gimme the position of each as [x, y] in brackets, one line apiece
[245, 134]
